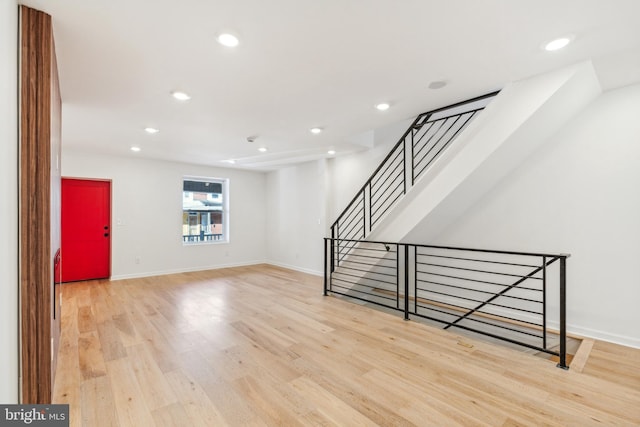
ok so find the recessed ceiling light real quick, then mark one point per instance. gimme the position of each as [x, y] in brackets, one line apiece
[134, 148]
[331, 152]
[262, 149]
[230, 161]
[151, 130]
[180, 96]
[383, 106]
[315, 131]
[557, 44]
[438, 84]
[228, 40]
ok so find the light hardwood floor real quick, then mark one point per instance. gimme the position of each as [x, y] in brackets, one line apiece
[261, 346]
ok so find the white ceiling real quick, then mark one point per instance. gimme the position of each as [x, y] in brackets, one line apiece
[304, 63]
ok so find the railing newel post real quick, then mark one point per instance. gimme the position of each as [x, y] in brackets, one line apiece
[563, 313]
[397, 276]
[544, 302]
[364, 211]
[325, 264]
[406, 282]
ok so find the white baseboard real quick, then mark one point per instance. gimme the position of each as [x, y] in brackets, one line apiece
[604, 336]
[296, 268]
[184, 270]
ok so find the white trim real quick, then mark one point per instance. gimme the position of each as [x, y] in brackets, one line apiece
[184, 270]
[295, 268]
[604, 336]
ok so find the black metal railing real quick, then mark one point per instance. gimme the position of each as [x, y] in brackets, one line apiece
[509, 296]
[422, 143]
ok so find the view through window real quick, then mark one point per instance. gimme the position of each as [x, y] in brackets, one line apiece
[204, 217]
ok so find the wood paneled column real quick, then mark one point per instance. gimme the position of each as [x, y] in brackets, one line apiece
[39, 114]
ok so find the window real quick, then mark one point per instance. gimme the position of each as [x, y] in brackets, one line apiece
[204, 210]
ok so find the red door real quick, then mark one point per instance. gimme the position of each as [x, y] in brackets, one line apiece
[86, 229]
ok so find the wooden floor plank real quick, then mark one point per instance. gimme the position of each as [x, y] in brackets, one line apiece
[260, 345]
[98, 407]
[582, 355]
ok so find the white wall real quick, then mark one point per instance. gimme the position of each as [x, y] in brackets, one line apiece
[347, 174]
[580, 193]
[296, 216]
[305, 199]
[9, 366]
[147, 201]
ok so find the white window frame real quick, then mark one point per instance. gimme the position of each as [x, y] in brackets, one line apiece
[224, 182]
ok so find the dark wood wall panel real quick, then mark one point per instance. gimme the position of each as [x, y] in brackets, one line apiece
[36, 253]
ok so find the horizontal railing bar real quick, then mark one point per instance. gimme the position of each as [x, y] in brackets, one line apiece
[368, 264]
[502, 327]
[479, 291]
[440, 138]
[393, 182]
[475, 110]
[373, 264]
[484, 302]
[501, 317]
[493, 251]
[367, 301]
[461, 103]
[376, 179]
[375, 189]
[344, 265]
[466, 279]
[368, 271]
[350, 205]
[358, 227]
[518, 331]
[347, 227]
[404, 136]
[425, 144]
[356, 215]
[391, 257]
[376, 257]
[365, 278]
[354, 208]
[398, 170]
[352, 287]
[488, 323]
[478, 260]
[477, 271]
[387, 203]
[422, 132]
[486, 313]
[446, 143]
[362, 292]
[545, 264]
[533, 347]
[390, 204]
[391, 250]
[345, 246]
[349, 219]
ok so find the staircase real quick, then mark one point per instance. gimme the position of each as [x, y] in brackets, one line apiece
[443, 164]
